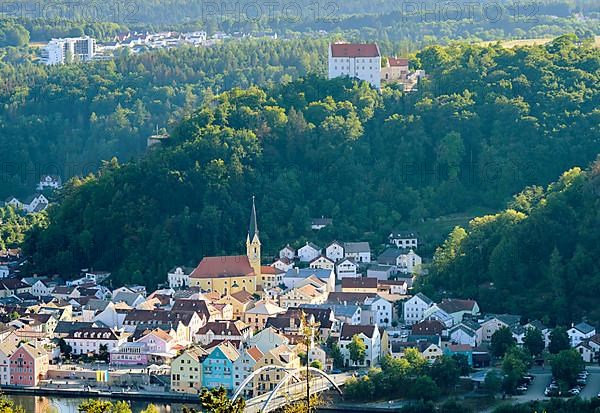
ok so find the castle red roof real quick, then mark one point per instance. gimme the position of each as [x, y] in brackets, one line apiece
[354, 50]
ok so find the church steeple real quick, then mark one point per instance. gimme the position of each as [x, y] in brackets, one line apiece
[253, 243]
[253, 229]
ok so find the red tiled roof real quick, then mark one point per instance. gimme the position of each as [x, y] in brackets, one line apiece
[397, 61]
[354, 50]
[255, 353]
[267, 269]
[226, 266]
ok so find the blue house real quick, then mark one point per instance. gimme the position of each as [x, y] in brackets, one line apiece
[217, 367]
[462, 349]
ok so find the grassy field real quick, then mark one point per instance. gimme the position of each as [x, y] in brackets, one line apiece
[529, 42]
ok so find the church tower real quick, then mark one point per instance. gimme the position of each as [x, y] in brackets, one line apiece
[253, 244]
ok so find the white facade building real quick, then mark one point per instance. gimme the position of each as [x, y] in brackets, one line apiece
[334, 251]
[67, 50]
[414, 309]
[179, 277]
[309, 252]
[346, 268]
[361, 61]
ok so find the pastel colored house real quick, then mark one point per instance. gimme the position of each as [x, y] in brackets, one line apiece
[186, 371]
[282, 356]
[244, 366]
[129, 354]
[460, 349]
[7, 349]
[217, 367]
[28, 365]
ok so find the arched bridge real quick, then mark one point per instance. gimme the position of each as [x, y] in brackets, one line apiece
[293, 384]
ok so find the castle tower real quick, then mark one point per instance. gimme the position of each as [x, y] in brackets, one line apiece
[253, 244]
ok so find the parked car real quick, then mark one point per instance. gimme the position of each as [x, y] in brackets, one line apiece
[521, 389]
[574, 391]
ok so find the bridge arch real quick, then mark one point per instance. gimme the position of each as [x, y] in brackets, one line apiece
[289, 374]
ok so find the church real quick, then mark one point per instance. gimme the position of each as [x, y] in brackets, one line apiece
[233, 273]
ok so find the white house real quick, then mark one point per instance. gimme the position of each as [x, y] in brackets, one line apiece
[49, 182]
[346, 268]
[369, 335]
[287, 252]
[320, 223]
[455, 308]
[309, 252]
[322, 262]
[578, 333]
[414, 308]
[283, 264]
[13, 202]
[382, 311]
[41, 288]
[179, 277]
[92, 339]
[359, 251]
[403, 239]
[467, 333]
[35, 203]
[360, 61]
[334, 251]
[406, 261]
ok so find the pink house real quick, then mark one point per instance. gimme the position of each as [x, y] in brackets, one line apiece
[154, 346]
[28, 365]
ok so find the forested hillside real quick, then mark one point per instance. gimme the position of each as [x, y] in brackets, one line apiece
[489, 122]
[538, 258]
[64, 120]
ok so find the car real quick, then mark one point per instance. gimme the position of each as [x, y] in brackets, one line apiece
[528, 377]
[551, 392]
[574, 391]
[336, 371]
[522, 389]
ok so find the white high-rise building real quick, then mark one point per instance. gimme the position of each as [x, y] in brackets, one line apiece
[361, 61]
[72, 49]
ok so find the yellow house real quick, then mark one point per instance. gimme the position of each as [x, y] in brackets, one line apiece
[282, 356]
[233, 273]
[241, 302]
[257, 316]
[186, 371]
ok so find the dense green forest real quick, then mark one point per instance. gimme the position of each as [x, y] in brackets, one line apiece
[13, 226]
[407, 25]
[538, 258]
[488, 122]
[66, 119]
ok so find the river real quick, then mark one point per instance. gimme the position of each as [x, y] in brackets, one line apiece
[59, 404]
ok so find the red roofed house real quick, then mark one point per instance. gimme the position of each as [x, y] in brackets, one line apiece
[395, 70]
[361, 61]
[28, 365]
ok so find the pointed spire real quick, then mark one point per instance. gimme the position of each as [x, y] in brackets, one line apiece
[253, 229]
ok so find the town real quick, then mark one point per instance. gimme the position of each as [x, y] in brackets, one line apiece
[231, 317]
